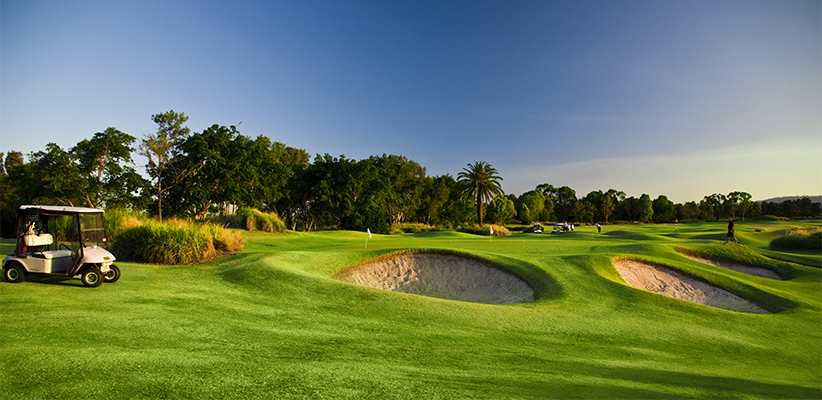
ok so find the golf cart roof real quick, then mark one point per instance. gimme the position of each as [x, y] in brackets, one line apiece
[28, 209]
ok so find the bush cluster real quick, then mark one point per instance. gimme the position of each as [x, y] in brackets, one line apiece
[171, 242]
[252, 220]
[485, 230]
[807, 239]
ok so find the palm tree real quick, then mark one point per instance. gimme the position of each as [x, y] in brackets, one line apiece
[480, 180]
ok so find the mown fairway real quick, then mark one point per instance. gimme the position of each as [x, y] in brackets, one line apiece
[271, 323]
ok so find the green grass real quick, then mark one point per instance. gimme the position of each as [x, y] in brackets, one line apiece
[271, 323]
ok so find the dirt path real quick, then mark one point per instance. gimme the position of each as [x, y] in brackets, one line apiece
[674, 284]
[442, 276]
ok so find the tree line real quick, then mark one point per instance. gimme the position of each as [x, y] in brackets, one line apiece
[219, 170]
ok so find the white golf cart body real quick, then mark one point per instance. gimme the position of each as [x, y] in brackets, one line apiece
[537, 227]
[54, 241]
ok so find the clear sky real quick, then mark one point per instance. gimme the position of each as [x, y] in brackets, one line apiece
[681, 98]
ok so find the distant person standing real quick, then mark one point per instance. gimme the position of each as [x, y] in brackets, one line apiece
[599, 228]
[731, 230]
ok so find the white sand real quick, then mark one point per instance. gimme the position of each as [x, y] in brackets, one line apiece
[673, 284]
[760, 272]
[442, 276]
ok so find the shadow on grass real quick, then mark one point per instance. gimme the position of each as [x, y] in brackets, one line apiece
[56, 281]
[584, 380]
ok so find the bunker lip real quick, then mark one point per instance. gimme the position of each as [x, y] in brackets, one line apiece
[658, 279]
[441, 275]
[754, 271]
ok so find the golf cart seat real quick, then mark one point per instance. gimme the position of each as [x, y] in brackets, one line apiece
[43, 239]
[52, 254]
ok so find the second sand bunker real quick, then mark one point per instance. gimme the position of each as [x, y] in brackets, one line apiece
[443, 276]
[670, 283]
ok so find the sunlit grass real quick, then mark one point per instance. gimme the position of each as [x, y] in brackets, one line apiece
[271, 323]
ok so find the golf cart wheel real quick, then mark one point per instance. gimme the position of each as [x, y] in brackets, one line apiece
[112, 275]
[14, 273]
[92, 277]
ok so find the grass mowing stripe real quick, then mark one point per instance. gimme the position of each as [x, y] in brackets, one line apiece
[271, 323]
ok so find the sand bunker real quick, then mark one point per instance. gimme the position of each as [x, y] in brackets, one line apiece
[442, 276]
[760, 272]
[674, 284]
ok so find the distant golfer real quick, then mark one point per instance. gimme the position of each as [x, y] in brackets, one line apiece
[599, 228]
[731, 230]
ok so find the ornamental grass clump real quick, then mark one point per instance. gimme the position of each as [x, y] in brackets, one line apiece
[252, 219]
[803, 239]
[485, 230]
[119, 220]
[175, 242]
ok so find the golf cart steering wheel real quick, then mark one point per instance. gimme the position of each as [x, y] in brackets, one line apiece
[64, 245]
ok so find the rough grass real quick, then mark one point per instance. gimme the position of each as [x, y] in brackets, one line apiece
[174, 242]
[802, 239]
[252, 220]
[271, 323]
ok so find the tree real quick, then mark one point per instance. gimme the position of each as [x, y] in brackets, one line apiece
[563, 198]
[161, 148]
[583, 211]
[687, 212]
[547, 210]
[480, 181]
[406, 178]
[108, 182]
[524, 214]
[663, 209]
[348, 194]
[644, 208]
[535, 201]
[716, 202]
[458, 209]
[434, 196]
[504, 209]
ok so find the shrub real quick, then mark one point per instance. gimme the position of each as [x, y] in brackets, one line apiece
[411, 227]
[175, 242]
[485, 230]
[253, 220]
[807, 239]
[118, 220]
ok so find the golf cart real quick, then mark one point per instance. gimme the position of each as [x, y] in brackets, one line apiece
[54, 241]
[537, 227]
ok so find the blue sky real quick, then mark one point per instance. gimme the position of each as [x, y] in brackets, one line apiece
[682, 98]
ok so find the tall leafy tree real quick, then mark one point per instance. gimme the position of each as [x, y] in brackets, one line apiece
[103, 162]
[644, 208]
[563, 198]
[161, 148]
[481, 181]
[406, 178]
[434, 195]
[664, 210]
[535, 202]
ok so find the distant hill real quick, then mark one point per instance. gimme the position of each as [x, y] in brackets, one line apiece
[814, 199]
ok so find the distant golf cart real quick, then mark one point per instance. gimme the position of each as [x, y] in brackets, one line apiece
[55, 241]
[560, 227]
[537, 227]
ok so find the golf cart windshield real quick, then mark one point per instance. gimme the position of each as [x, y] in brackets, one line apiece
[94, 229]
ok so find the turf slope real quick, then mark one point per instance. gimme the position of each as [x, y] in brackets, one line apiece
[272, 323]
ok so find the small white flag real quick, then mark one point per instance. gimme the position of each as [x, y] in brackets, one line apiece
[369, 232]
[492, 229]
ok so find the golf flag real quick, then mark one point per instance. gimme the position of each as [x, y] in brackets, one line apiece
[492, 230]
[369, 232]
